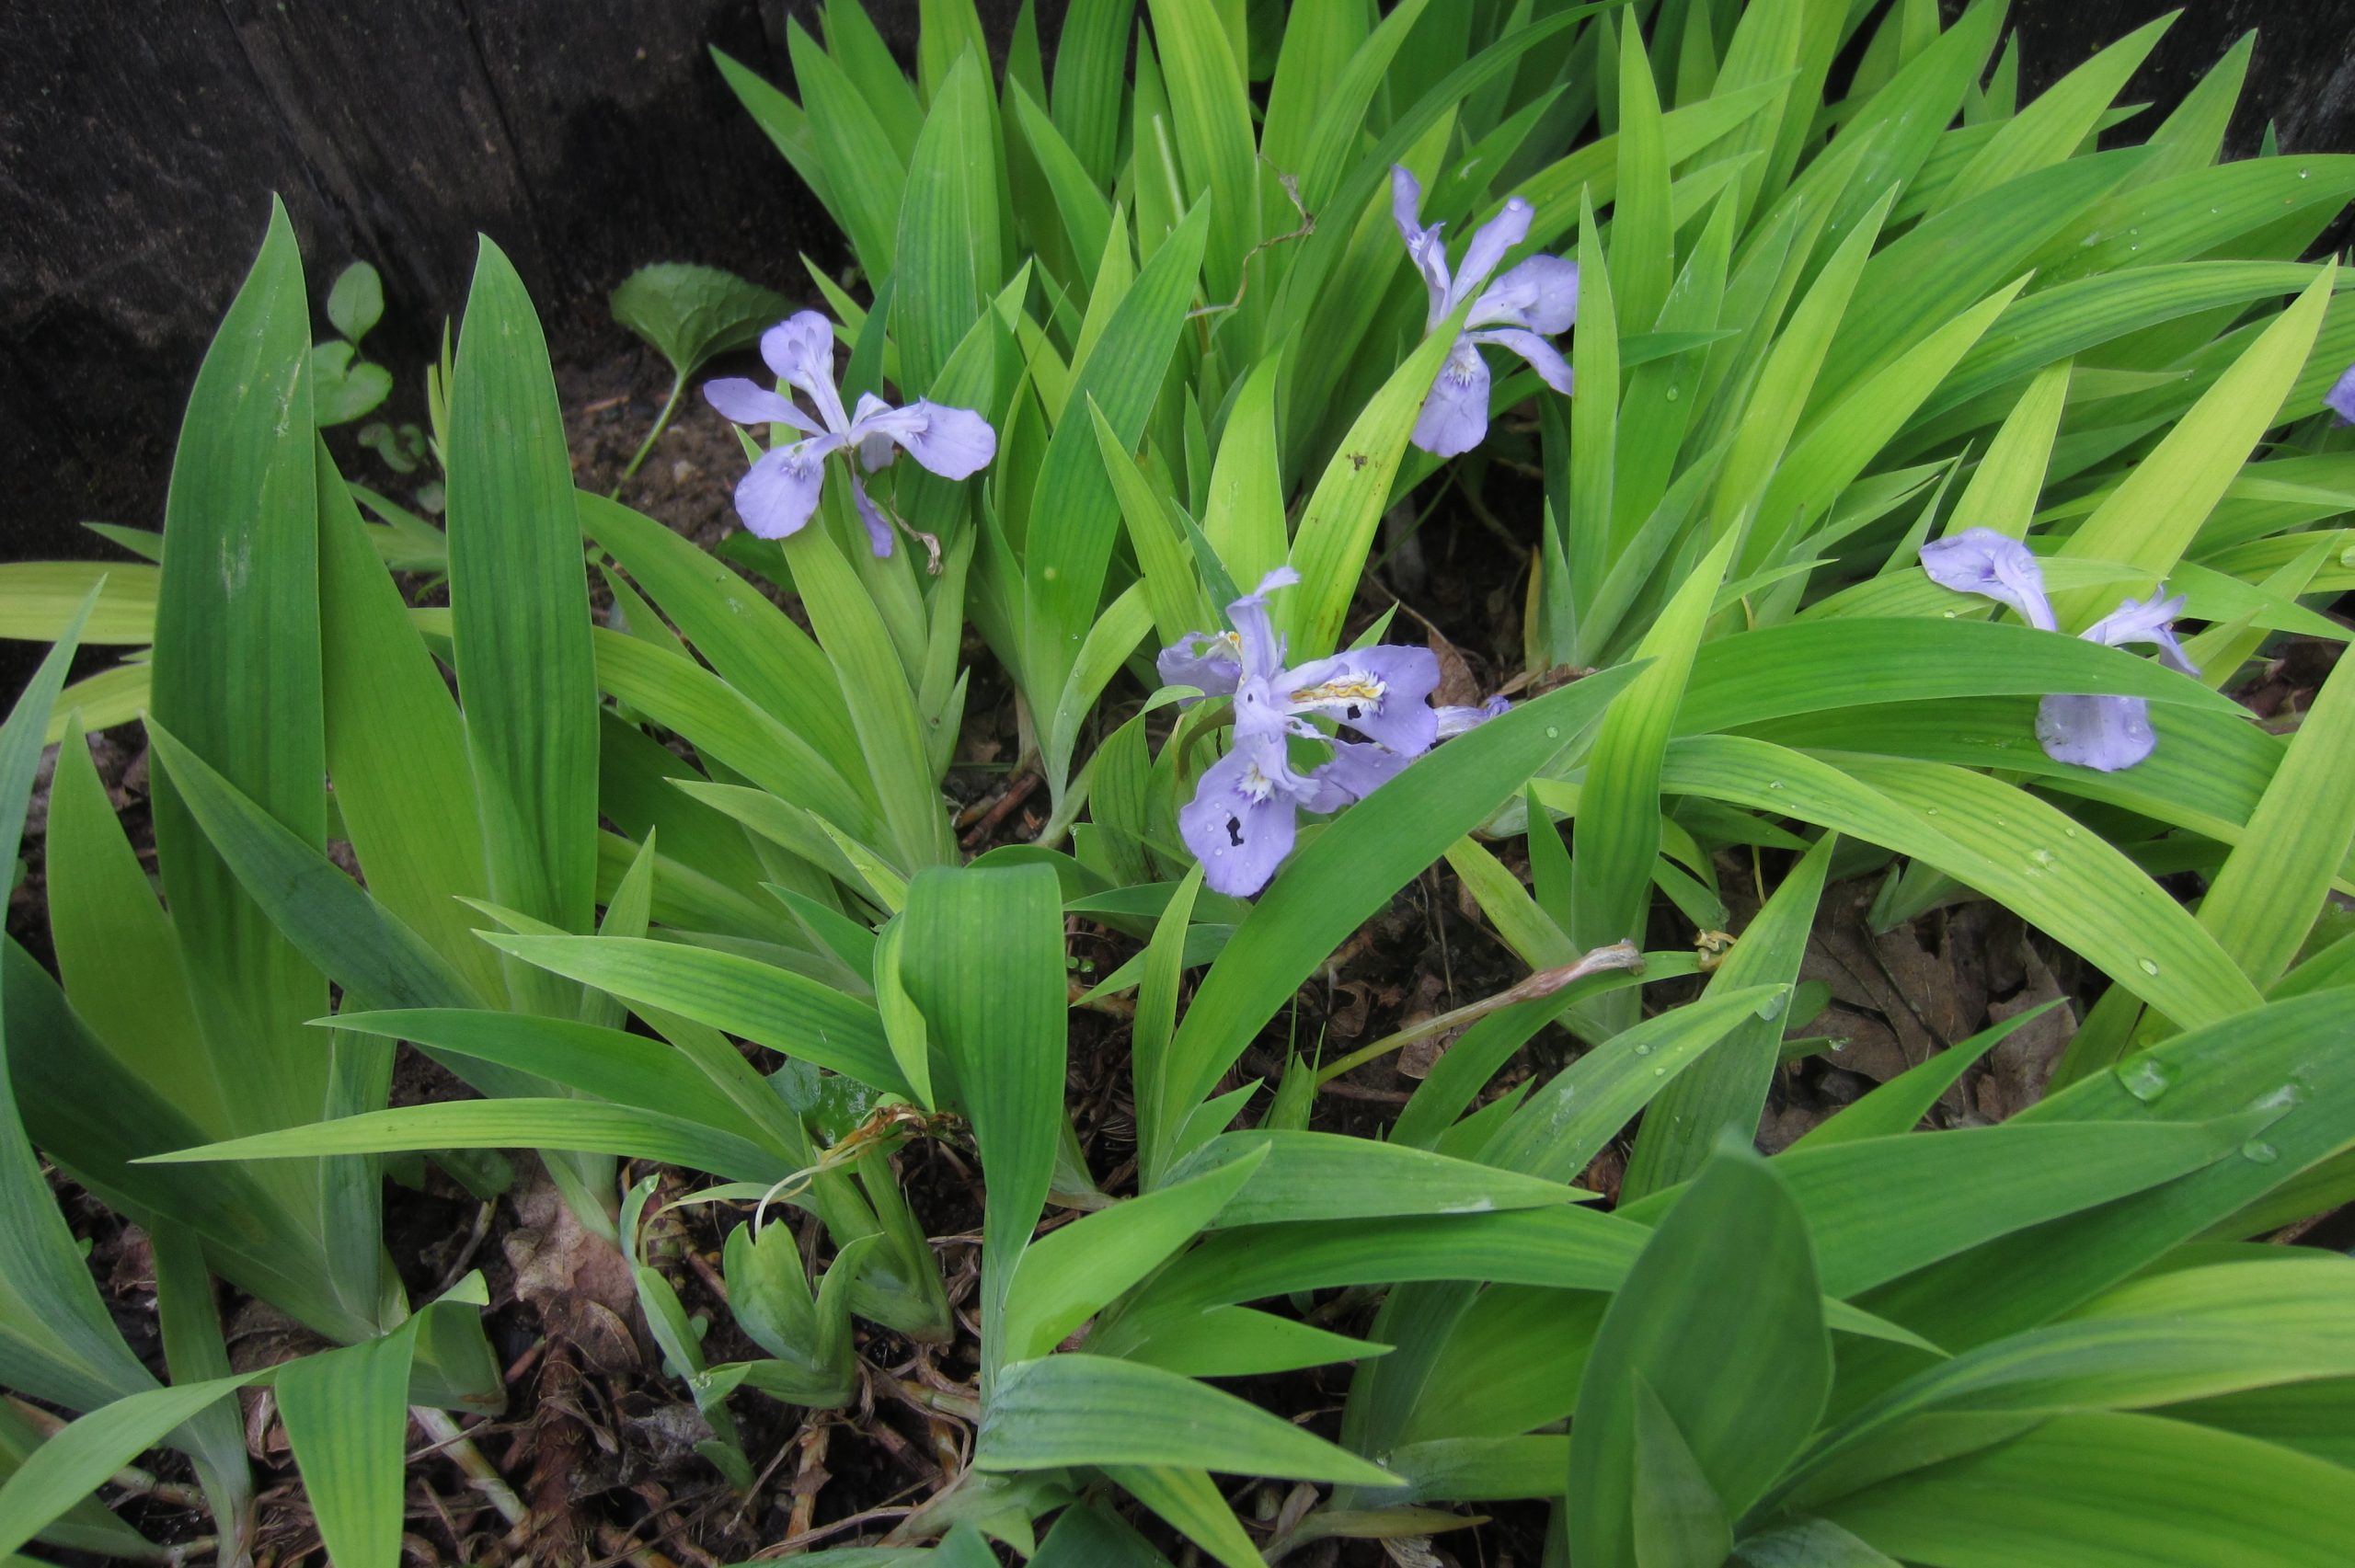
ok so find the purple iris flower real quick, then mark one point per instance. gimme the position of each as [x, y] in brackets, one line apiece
[780, 492]
[2105, 733]
[1243, 818]
[1534, 300]
[2340, 398]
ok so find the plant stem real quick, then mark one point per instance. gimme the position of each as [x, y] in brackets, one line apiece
[446, 1436]
[662, 422]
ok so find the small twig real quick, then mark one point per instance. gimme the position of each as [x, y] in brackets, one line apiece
[1291, 184]
[1008, 804]
[447, 1436]
[1545, 982]
[466, 1253]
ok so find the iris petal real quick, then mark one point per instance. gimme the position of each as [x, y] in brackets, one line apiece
[747, 402]
[1240, 825]
[1489, 242]
[1993, 566]
[1541, 293]
[1455, 414]
[2104, 733]
[777, 494]
[952, 442]
[1543, 357]
[1383, 693]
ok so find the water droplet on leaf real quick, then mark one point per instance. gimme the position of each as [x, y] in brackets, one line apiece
[2144, 1077]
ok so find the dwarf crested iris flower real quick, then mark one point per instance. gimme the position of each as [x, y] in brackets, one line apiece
[1243, 818]
[2105, 733]
[1519, 311]
[781, 491]
[2340, 398]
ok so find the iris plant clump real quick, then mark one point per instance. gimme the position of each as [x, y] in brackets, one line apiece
[689, 890]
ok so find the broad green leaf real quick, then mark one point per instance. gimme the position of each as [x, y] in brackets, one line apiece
[1211, 114]
[1073, 1273]
[764, 1004]
[2275, 881]
[519, 616]
[1191, 1503]
[2016, 1281]
[1991, 837]
[117, 951]
[397, 749]
[582, 1124]
[1090, 57]
[946, 252]
[985, 966]
[76, 1461]
[237, 676]
[863, 176]
[1320, 1176]
[2110, 1490]
[1091, 1409]
[1898, 1105]
[1619, 832]
[1337, 526]
[323, 912]
[1732, 1341]
[1676, 1515]
[613, 1065]
[882, 708]
[690, 314]
[1567, 1121]
[1070, 543]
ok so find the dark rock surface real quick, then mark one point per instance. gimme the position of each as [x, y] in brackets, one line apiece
[139, 142]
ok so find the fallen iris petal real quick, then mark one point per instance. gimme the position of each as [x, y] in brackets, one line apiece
[2104, 733]
[1993, 566]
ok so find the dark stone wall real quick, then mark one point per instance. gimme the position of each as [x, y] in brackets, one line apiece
[140, 141]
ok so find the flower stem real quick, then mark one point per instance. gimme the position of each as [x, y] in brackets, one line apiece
[662, 422]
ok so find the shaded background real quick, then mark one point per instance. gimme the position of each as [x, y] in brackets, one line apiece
[139, 142]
